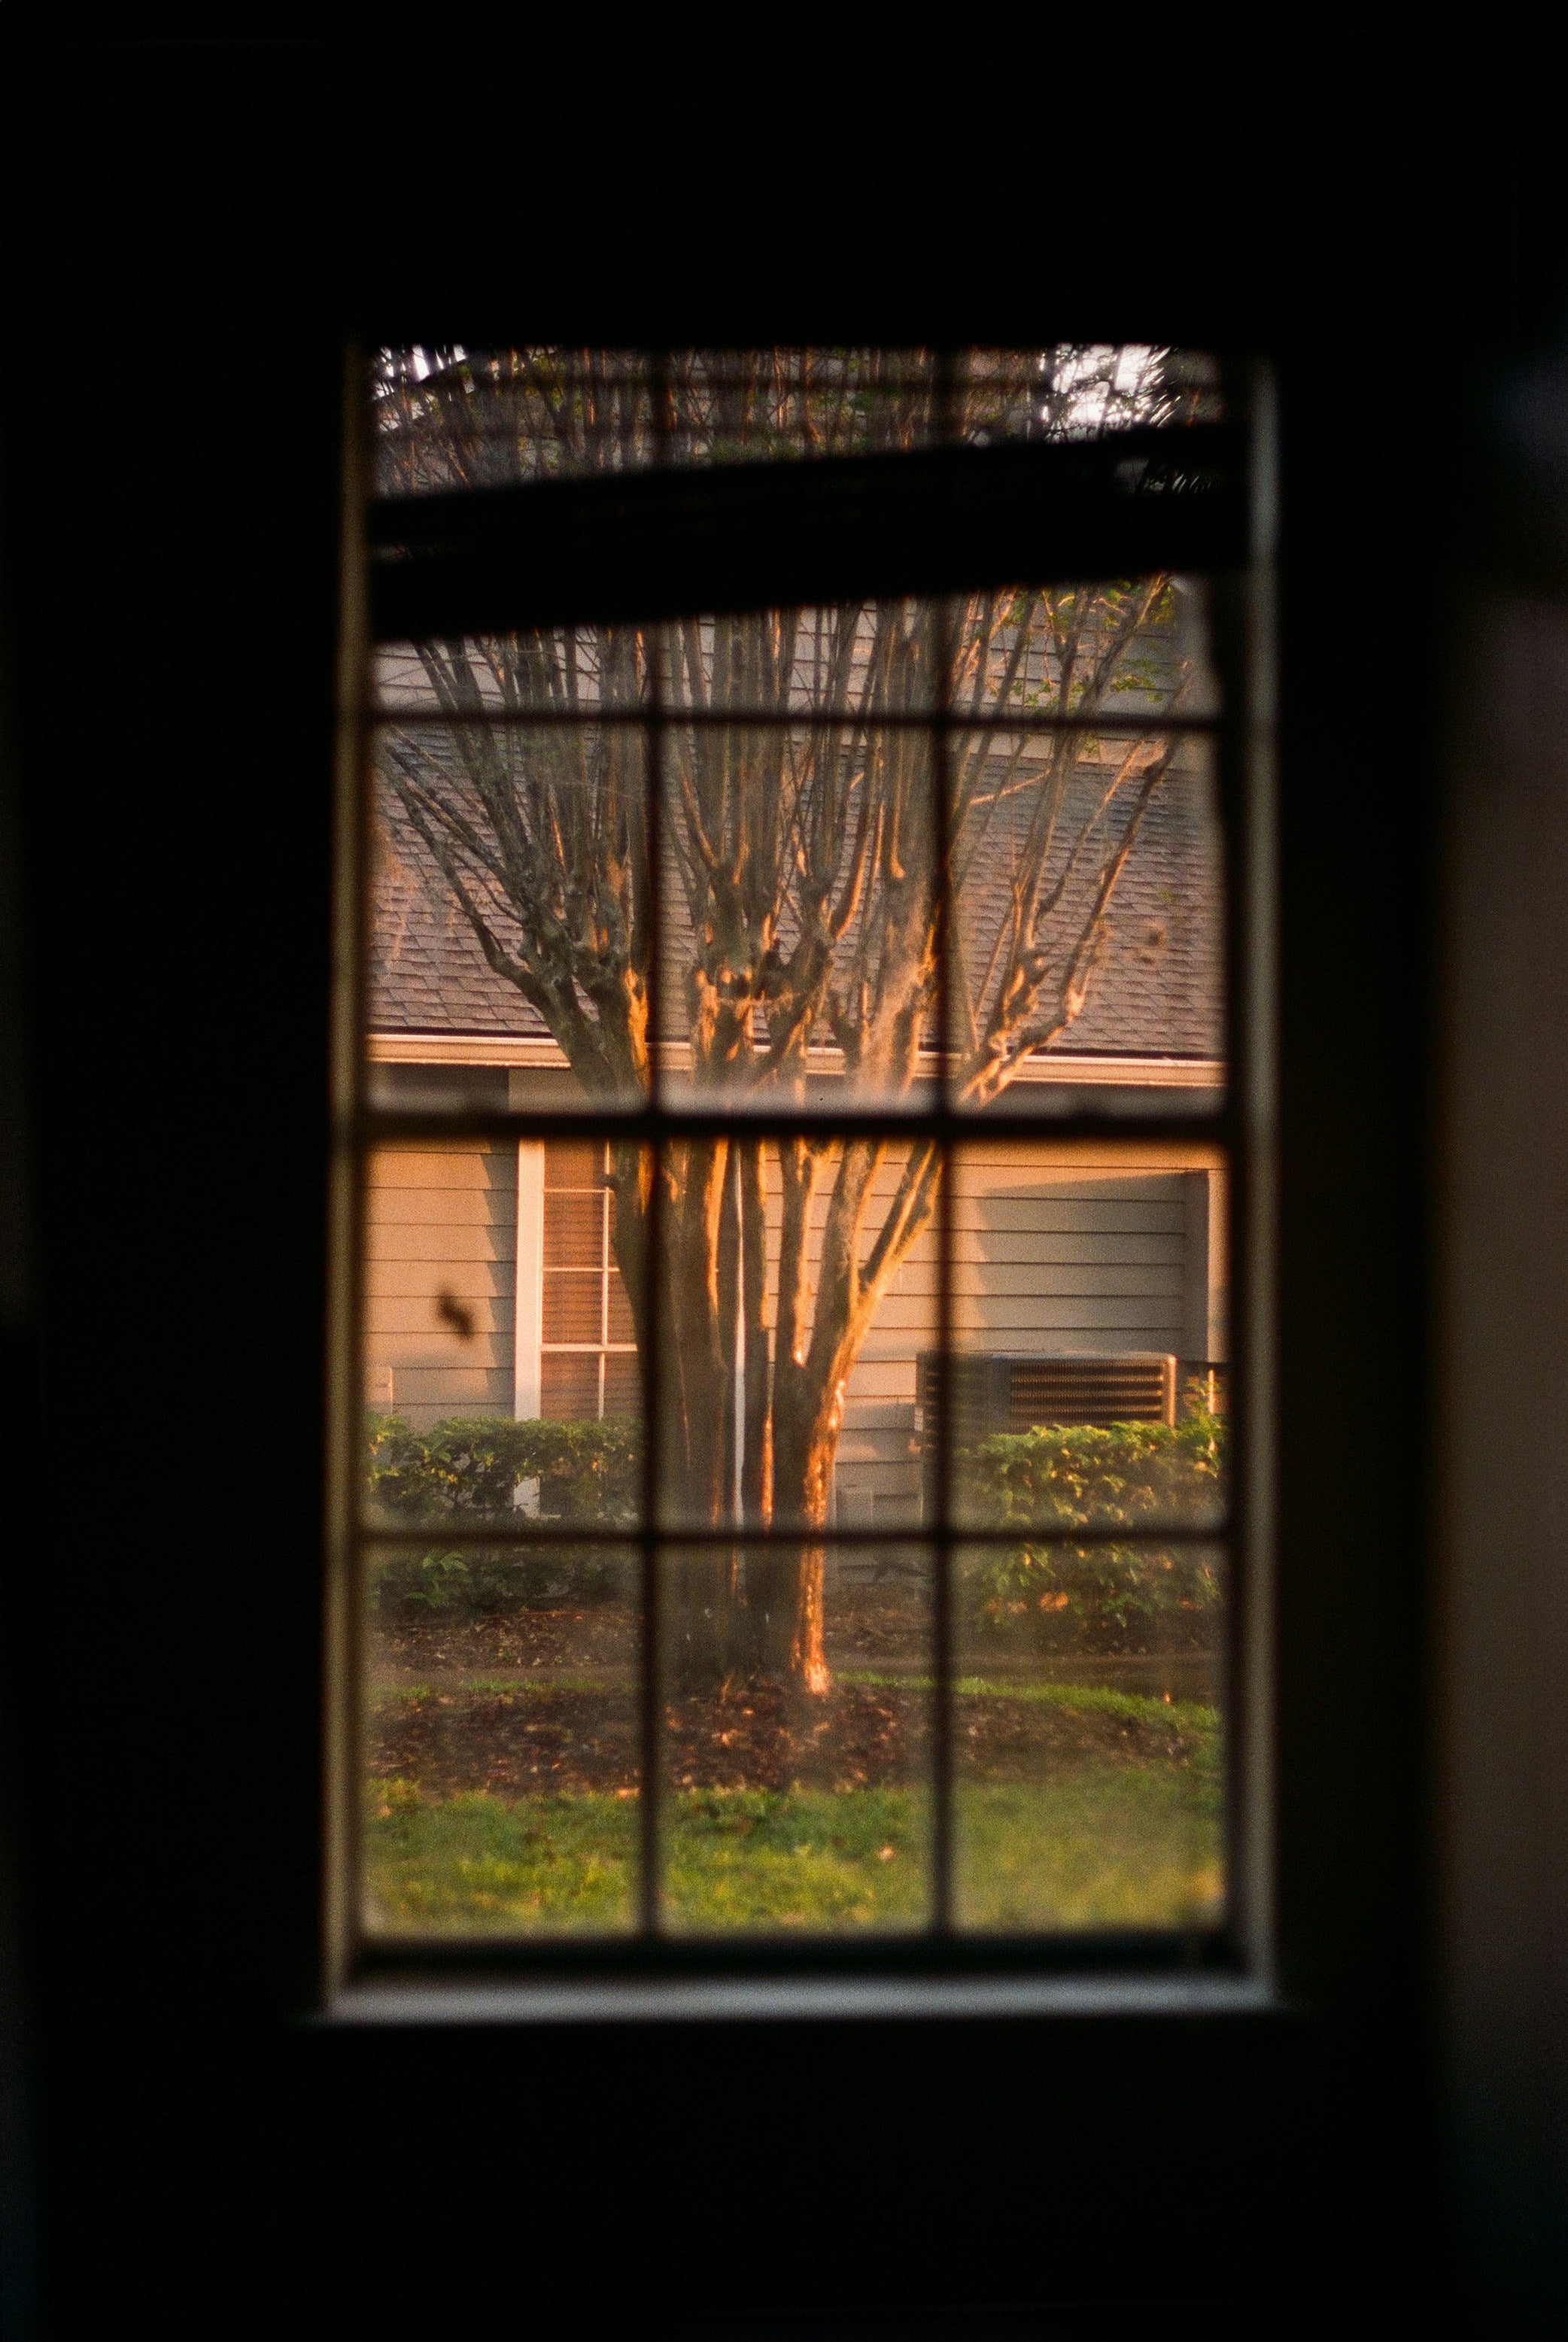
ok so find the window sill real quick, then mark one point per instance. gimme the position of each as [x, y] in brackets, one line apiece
[751, 2001]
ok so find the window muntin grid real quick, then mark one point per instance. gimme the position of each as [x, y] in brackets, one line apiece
[676, 1114]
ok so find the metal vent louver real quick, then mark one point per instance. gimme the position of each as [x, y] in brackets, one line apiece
[1138, 1390]
[1011, 1393]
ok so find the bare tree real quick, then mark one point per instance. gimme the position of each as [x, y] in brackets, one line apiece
[801, 860]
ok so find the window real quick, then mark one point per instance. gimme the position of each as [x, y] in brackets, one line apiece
[587, 1344]
[812, 1503]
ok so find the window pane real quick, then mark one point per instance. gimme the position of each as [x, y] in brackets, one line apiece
[574, 1304]
[1089, 1293]
[566, 672]
[511, 898]
[853, 661]
[461, 1387]
[619, 1325]
[800, 913]
[569, 1386]
[574, 1226]
[1088, 972]
[1088, 1741]
[1123, 650]
[573, 1166]
[457, 418]
[788, 1811]
[451, 419]
[780, 1386]
[622, 1386]
[440, 1281]
[501, 1759]
[879, 657]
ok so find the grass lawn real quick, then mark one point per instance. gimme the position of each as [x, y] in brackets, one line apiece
[1103, 1845]
[1106, 1838]
[481, 1864]
[821, 1859]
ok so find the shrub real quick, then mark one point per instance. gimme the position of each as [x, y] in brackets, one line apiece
[1066, 1477]
[1140, 1476]
[474, 1469]
[476, 1580]
[471, 1467]
[1099, 1598]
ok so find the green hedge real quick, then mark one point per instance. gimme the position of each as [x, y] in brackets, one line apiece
[469, 1468]
[1135, 1475]
[1049, 1589]
[1062, 1595]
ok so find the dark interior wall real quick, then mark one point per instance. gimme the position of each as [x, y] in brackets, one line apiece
[1504, 1389]
[203, 225]
[1502, 1356]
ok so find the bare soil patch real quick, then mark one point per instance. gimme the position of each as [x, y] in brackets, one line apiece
[754, 1736]
[410, 1648]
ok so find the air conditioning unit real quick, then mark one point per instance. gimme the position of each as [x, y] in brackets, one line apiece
[986, 1394]
[1014, 1394]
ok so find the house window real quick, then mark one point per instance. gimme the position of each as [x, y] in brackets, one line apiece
[821, 788]
[588, 1351]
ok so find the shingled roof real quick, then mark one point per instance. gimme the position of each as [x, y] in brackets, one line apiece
[1155, 990]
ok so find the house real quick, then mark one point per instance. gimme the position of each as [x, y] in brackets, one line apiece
[490, 1284]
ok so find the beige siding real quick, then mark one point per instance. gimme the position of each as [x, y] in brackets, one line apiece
[1048, 1257]
[440, 1280]
[1045, 1259]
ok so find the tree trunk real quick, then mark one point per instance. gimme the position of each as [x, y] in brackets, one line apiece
[735, 1610]
[785, 1589]
[805, 1447]
[749, 1431]
[694, 1365]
